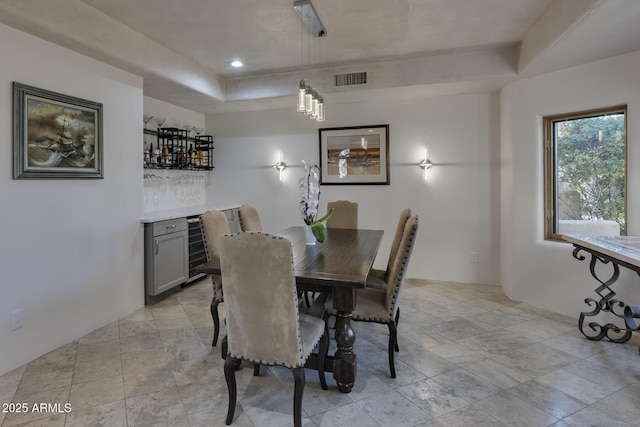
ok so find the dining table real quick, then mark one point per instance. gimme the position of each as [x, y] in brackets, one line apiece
[339, 266]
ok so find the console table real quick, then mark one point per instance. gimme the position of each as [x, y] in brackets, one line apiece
[618, 251]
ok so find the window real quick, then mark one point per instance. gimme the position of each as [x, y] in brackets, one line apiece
[585, 173]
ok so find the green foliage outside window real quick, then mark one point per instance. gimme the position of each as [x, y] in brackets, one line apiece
[591, 161]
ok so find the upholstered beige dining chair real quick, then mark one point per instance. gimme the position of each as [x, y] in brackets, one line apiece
[378, 277]
[213, 225]
[249, 218]
[380, 306]
[263, 322]
[345, 214]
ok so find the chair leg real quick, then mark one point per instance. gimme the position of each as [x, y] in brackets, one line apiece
[393, 336]
[306, 298]
[397, 321]
[224, 347]
[256, 369]
[323, 349]
[216, 321]
[298, 390]
[326, 316]
[230, 375]
[317, 306]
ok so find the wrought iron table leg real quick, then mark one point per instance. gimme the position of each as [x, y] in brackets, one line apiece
[631, 313]
[606, 304]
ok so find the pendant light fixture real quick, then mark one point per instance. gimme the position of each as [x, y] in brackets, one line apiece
[310, 103]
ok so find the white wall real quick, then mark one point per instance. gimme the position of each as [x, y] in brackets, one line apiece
[543, 273]
[457, 205]
[70, 249]
[176, 116]
[172, 189]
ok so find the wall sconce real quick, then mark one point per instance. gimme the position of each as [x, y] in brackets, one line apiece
[280, 166]
[425, 164]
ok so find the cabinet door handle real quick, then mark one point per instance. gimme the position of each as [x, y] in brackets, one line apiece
[170, 227]
[157, 247]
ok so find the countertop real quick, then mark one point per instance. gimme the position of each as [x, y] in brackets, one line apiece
[623, 248]
[150, 217]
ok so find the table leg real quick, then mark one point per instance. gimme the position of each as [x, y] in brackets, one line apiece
[344, 363]
[607, 303]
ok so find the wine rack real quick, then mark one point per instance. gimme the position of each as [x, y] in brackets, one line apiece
[173, 148]
[197, 254]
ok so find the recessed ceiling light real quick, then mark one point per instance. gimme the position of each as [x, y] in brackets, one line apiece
[236, 64]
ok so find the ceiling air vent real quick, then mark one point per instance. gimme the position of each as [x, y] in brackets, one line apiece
[350, 79]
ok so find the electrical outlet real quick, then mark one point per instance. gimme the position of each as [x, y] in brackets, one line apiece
[473, 257]
[17, 319]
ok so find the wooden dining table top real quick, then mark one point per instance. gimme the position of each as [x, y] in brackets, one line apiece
[344, 259]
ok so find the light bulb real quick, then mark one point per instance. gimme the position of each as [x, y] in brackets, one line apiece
[321, 110]
[308, 98]
[301, 95]
[314, 108]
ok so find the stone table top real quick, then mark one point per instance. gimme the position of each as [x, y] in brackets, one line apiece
[622, 248]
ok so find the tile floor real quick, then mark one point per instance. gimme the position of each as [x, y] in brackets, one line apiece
[468, 356]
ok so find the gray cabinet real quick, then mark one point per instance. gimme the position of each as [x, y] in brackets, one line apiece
[173, 248]
[166, 256]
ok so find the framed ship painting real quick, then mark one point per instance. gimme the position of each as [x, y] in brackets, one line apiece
[55, 135]
[354, 155]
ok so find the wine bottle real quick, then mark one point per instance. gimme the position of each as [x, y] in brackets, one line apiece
[192, 155]
[177, 158]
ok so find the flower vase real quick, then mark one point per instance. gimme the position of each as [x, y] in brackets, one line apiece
[308, 235]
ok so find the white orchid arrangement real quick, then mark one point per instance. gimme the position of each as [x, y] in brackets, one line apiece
[310, 199]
